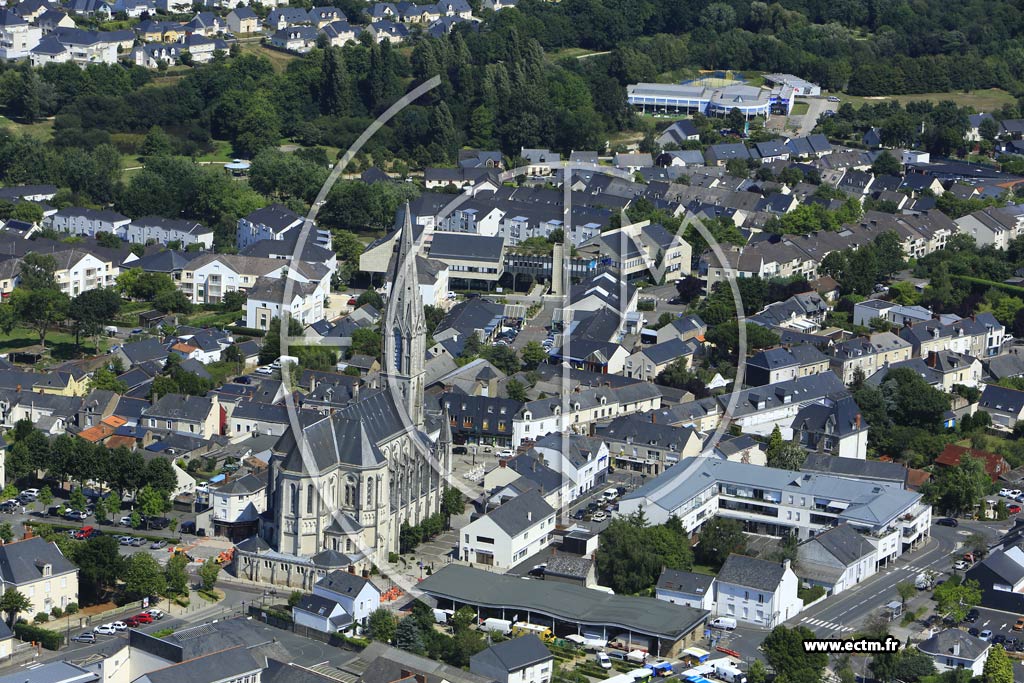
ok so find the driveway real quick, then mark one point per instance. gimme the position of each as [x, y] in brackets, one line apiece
[816, 106]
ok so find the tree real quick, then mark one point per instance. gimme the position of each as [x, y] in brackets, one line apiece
[718, 539]
[45, 497]
[381, 625]
[105, 380]
[294, 598]
[757, 672]
[887, 164]
[100, 509]
[6, 532]
[955, 597]
[913, 665]
[208, 572]
[958, 488]
[144, 578]
[998, 667]
[157, 143]
[452, 503]
[12, 603]
[533, 355]
[907, 590]
[515, 390]
[108, 240]
[788, 456]
[40, 309]
[271, 349]
[366, 341]
[371, 297]
[159, 474]
[37, 271]
[408, 636]
[177, 575]
[784, 650]
[152, 502]
[100, 566]
[633, 554]
[77, 500]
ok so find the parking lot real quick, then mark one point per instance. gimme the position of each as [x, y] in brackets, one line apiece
[998, 626]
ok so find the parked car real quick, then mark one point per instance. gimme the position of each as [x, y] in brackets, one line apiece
[155, 613]
[118, 626]
[87, 637]
[985, 635]
[579, 514]
[538, 570]
[1019, 626]
[1005, 493]
[602, 660]
[998, 639]
[30, 494]
[143, 618]
[76, 514]
[159, 523]
[972, 616]
[961, 565]
[125, 540]
[138, 542]
[1013, 509]
[158, 545]
[833, 98]
[8, 506]
[105, 630]
[947, 521]
[125, 521]
[973, 632]
[132, 622]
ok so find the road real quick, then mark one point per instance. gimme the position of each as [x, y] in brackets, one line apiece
[847, 611]
[816, 106]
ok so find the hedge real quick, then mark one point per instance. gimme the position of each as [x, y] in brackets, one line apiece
[51, 640]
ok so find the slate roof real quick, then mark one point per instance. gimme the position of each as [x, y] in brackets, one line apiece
[844, 544]
[943, 643]
[343, 583]
[147, 349]
[750, 572]
[688, 583]
[180, 407]
[22, 562]
[460, 246]
[995, 397]
[217, 666]
[520, 513]
[514, 654]
[874, 470]
[250, 483]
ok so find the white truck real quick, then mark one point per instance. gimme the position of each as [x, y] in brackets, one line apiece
[925, 580]
[729, 673]
[502, 626]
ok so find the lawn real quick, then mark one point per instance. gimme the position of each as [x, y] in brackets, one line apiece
[800, 108]
[41, 129]
[211, 318]
[568, 53]
[981, 100]
[61, 345]
[280, 60]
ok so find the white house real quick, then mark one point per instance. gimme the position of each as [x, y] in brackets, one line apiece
[836, 559]
[585, 408]
[956, 649]
[585, 464]
[267, 300]
[758, 592]
[79, 271]
[17, 36]
[238, 503]
[166, 230]
[339, 601]
[87, 222]
[38, 570]
[518, 660]
[269, 223]
[686, 588]
[506, 535]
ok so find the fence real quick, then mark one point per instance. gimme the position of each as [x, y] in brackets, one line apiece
[269, 617]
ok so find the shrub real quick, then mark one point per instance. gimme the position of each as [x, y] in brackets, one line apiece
[72, 608]
[41, 617]
[51, 640]
[809, 595]
[57, 612]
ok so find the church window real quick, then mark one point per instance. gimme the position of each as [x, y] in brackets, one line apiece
[309, 499]
[369, 491]
[348, 545]
[294, 497]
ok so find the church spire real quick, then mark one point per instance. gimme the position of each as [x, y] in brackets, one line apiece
[405, 325]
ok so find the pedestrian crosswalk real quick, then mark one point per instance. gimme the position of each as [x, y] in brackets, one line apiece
[821, 623]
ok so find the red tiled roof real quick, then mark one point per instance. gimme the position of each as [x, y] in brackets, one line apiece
[995, 464]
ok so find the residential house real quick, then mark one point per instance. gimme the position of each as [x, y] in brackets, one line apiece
[583, 465]
[243, 20]
[505, 536]
[481, 419]
[720, 154]
[339, 601]
[89, 47]
[88, 222]
[754, 591]
[1004, 406]
[833, 427]
[271, 222]
[954, 649]
[638, 443]
[995, 465]
[995, 226]
[678, 133]
[684, 328]
[867, 354]
[196, 415]
[837, 559]
[273, 297]
[471, 259]
[647, 363]
[17, 35]
[586, 407]
[169, 230]
[237, 506]
[686, 588]
[37, 569]
[980, 336]
[518, 660]
[339, 33]
[79, 271]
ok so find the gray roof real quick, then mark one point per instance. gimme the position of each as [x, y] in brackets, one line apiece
[22, 562]
[750, 572]
[51, 672]
[521, 513]
[642, 430]
[942, 644]
[250, 483]
[147, 349]
[854, 468]
[801, 389]
[568, 566]
[563, 601]
[460, 246]
[689, 583]
[514, 654]
[999, 398]
[180, 407]
[869, 504]
[343, 582]
[217, 666]
[844, 544]
[331, 440]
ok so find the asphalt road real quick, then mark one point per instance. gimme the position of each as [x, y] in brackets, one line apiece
[815, 107]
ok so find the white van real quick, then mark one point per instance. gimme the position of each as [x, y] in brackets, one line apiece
[603, 661]
[610, 494]
[725, 623]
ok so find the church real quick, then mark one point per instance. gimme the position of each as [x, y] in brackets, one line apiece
[340, 490]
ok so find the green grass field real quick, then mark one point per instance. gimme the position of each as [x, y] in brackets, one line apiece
[61, 345]
[280, 60]
[41, 129]
[800, 108]
[981, 100]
